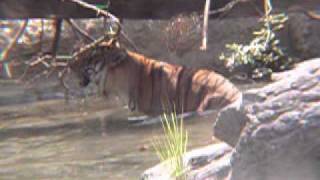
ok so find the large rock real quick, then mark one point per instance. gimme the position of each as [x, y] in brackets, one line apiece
[280, 126]
[287, 92]
[274, 135]
[200, 163]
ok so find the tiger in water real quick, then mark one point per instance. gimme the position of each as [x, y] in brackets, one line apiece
[150, 86]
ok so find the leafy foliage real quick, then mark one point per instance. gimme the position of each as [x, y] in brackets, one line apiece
[263, 54]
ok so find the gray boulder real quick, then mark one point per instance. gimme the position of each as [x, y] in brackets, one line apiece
[276, 136]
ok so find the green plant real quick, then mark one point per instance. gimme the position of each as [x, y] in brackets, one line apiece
[174, 143]
[103, 5]
[263, 54]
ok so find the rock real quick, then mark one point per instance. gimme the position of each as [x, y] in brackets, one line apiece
[230, 121]
[281, 126]
[281, 139]
[194, 161]
[304, 34]
[229, 124]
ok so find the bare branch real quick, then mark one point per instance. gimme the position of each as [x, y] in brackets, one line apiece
[99, 11]
[206, 15]
[77, 28]
[205, 25]
[314, 14]
[126, 37]
[106, 14]
[89, 46]
[226, 8]
[14, 41]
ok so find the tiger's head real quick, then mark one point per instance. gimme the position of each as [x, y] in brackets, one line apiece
[92, 66]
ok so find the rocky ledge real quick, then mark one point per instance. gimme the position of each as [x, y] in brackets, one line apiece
[274, 136]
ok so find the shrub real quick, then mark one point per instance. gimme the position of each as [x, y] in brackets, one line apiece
[263, 55]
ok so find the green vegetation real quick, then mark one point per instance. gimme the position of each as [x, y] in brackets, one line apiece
[174, 143]
[263, 54]
[103, 6]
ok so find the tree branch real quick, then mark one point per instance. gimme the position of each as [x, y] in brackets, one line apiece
[94, 8]
[79, 30]
[13, 42]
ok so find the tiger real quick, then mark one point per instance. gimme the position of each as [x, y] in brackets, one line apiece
[150, 86]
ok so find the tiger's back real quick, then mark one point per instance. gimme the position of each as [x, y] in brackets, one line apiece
[163, 86]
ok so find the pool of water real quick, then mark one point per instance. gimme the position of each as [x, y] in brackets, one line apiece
[52, 139]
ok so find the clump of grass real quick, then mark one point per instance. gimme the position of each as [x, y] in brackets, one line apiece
[263, 55]
[173, 145]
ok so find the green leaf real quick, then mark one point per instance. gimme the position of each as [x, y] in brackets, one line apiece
[102, 6]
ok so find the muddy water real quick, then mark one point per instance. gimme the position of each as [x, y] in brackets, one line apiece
[52, 139]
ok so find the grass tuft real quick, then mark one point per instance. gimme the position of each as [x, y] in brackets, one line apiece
[173, 145]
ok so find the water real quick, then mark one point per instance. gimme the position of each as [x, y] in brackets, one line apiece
[50, 139]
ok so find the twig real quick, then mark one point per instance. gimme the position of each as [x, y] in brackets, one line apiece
[99, 11]
[205, 25]
[89, 46]
[82, 32]
[106, 14]
[225, 8]
[126, 37]
[14, 41]
[5, 53]
[313, 14]
[40, 59]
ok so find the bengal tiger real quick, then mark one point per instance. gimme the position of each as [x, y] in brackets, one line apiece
[151, 86]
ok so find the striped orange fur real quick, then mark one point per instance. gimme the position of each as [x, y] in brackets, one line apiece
[151, 86]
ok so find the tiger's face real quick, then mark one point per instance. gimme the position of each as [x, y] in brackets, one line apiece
[92, 66]
[87, 69]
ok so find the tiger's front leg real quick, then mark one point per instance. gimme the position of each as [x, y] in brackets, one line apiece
[132, 104]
